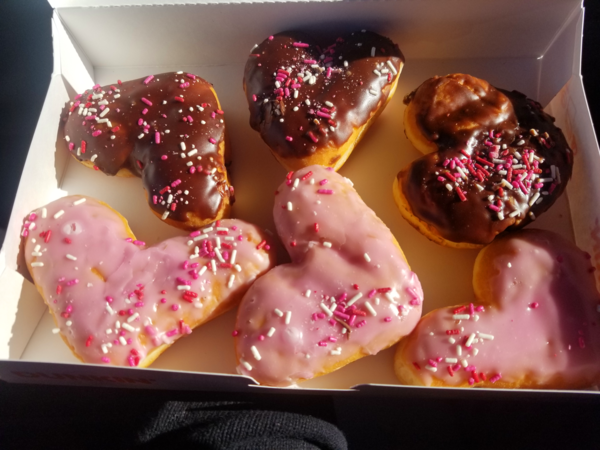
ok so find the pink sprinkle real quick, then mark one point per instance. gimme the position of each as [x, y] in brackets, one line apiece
[71, 146]
[472, 381]
[163, 300]
[415, 302]
[360, 324]
[325, 191]
[72, 282]
[341, 315]
[96, 133]
[155, 199]
[432, 363]
[174, 307]
[372, 293]
[212, 141]
[352, 319]
[495, 378]
[328, 72]
[173, 332]
[322, 182]
[105, 359]
[234, 333]
[190, 75]
[534, 305]
[289, 138]
[32, 216]
[140, 122]
[300, 44]
[253, 97]
[387, 319]
[322, 344]
[332, 339]
[157, 137]
[136, 242]
[146, 101]
[480, 308]
[139, 304]
[192, 170]
[322, 114]
[321, 315]
[109, 299]
[270, 38]
[470, 368]
[148, 79]
[144, 111]
[309, 61]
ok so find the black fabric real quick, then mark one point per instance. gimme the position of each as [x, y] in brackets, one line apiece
[231, 426]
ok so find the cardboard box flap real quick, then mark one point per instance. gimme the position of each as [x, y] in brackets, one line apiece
[425, 29]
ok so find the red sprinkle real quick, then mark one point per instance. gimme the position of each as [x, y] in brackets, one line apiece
[89, 340]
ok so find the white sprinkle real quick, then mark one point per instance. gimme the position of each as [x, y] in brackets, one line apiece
[271, 332]
[185, 287]
[461, 316]
[71, 257]
[165, 215]
[475, 351]
[192, 152]
[377, 72]
[326, 310]
[44, 213]
[296, 182]
[122, 340]
[431, 369]
[458, 350]
[55, 330]
[208, 230]
[372, 91]
[345, 63]
[307, 101]
[391, 66]
[307, 293]
[337, 351]
[488, 337]
[475, 317]
[58, 214]
[500, 215]
[109, 331]
[37, 248]
[37, 264]
[327, 244]
[448, 186]
[355, 298]
[461, 172]
[532, 215]
[367, 257]
[231, 280]
[238, 268]
[388, 295]
[36, 254]
[289, 206]
[255, 353]
[68, 323]
[329, 104]
[278, 312]
[218, 244]
[534, 198]
[133, 317]
[451, 340]
[288, 317]
[451, 360]
[170, 199]
[232, 258]
[247, 366]
[128, 327]
[373, 51]
[213, 266]
[470, 340]
[506, 184]
[105, 112]
[141, 135]
[219, 256]
[182, 145]
[110, 310]
[80, 201]
[513, 214]
[371, 309]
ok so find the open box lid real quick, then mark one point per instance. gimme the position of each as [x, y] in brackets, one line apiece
[544, 34]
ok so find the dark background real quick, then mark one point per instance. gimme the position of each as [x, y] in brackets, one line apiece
[73, 417]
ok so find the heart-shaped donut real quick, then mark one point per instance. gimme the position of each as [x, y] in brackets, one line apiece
[535, 324]
[115, 301]
[348, 292]
[495, 161]
[167, 129]
[312, 100]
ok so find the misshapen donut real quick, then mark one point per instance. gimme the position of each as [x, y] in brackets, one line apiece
[535, 323]
[312, 101]
[495, 161]
[117, 302]
[167, 129]
[348, 293]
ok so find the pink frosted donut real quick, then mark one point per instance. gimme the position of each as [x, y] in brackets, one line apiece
[348, 292]
[535, 324]
[117, 302]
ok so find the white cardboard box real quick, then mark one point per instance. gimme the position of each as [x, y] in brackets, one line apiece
[533, 46]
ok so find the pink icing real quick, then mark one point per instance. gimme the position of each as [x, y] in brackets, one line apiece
[543, 318]
[120, 320]
[313, 340]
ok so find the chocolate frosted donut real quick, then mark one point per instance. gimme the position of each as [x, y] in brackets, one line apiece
[498, 161]
[312, 101]
[167, 129]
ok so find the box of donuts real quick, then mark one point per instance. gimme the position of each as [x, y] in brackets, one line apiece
[340, 196]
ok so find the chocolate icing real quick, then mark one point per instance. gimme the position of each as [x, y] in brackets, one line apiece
[458, 112]
[128, 140]
[346, 88]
